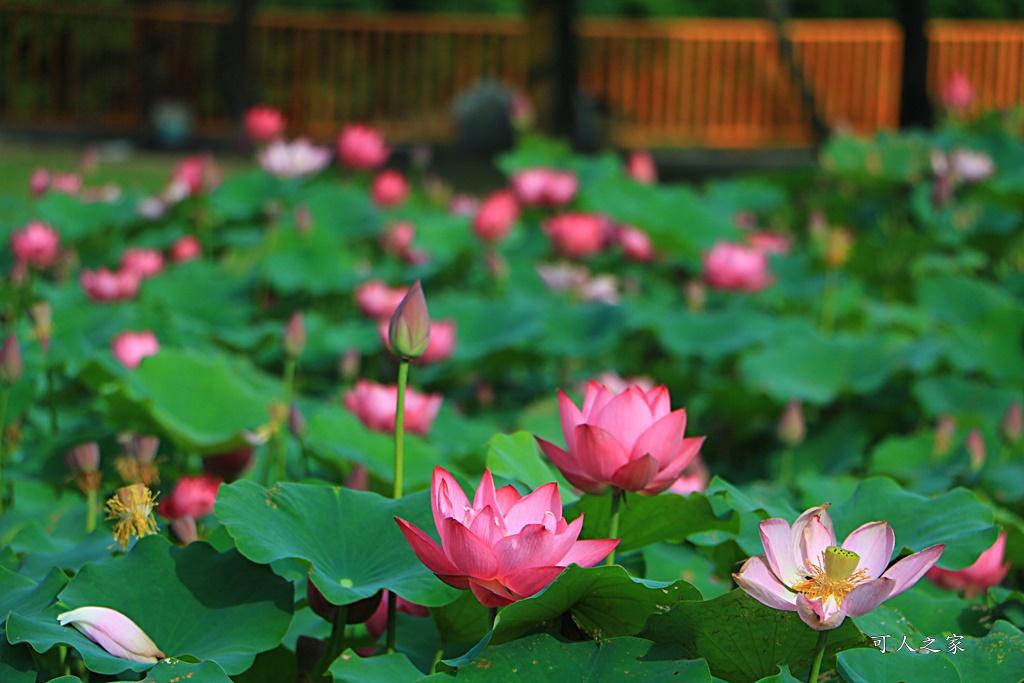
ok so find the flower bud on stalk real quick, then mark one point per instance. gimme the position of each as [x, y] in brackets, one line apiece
[409, 332]
[84, 462]
[1013, 424]
[792, 427]
[114, 632]
[11, 363]
[294, 339]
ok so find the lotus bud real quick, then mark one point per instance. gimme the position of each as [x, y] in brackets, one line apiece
[184, 529]
[792, 426]
[696, 296]
[114, 632]
[84, 462]
[11, 364]
[41, 314]
[294, 339]
[975, 445]
[1013, 423]
[409, 333]
[140, 447]
[358, 479]
[944, 431]
[296, 422]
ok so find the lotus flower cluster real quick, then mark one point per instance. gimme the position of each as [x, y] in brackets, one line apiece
[632, 441]
[806, 570]
[503, 546]
[545, 187]
[294, 159]
[37, 244]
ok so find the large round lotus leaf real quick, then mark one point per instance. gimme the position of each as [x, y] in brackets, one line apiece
[743, 640]
[176, 671]
[349, 537]
[191, 601]
[996, 658]
[205, 401]
[392, 668]
[541, 658]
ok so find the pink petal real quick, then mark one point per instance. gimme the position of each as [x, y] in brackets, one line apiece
[873, 542]
[635, 475]
[820, 513]
[910, 569]
[507, 497]
[559, 458]
[564, 540]
[625, 418]
[491, 593]
[428, 551]
[663, 439]
[816, 538]
[598, 453]
[658, 399]
[485, 493]
[467, 552]
[589, 553]
[448, 499]
[757, 579]
[529, 548]
[867, 596]
[597, 398]
[570, 416]
[487, 526]
[813, 614]
[543, 506]
[531, 581]
[778, 541]
[671, 472]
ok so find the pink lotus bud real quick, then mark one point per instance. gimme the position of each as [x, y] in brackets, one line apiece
[66, 183]
[376, 404]
[358, 479]
[131, 347]
[39, 183]
[263, 123]
[303, 219]
[114, 632]
[987, 571]
[228, 466]
[11, 363]
[442, 341]
[545, 187]
[376, 300]
[944, 432]
[186, 248]
[140, 447]
[497, 213]
[37, 244]
[296, 422]
[792, 427]
[975, 445]
[104, 285]
[635, 244]
[41, 315]
[143, 262]
[399, 237]
[184, 529]
[348, 364]
[577, 235]
[1012, 424]
[463, 205]
[390, 189]
[958, 92]
[83, 458]
[294, 338]
[362, 147]
[640, 167]
[192, 496]
[196, 174]
[735, 267]
[409, 333]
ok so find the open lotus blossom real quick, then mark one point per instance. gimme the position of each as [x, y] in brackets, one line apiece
[143, 262]
[806, 570]
[632, 441]
[390, 189]
[987, 571]
[131, 347]
[106, 285]
[376, 300]
[503, 546]
[576, 235]
[375, 406]
[635, 243]
[114, 632]
[192, 497]
[193, 175]
[263, 123]
[37, 244]
[295, 159]
[736, 267]
[185, 248]
[545, 187]
[497, 214]
[362, 147]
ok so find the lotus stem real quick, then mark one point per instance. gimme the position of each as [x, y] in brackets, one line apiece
[403, 379]
[52, 400]
[4, 394]
[90, 510]
[786, 467]
[335, 644]
[613, 522]
[818, 656]
[392, 621]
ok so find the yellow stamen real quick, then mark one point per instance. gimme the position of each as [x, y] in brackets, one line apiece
[132, 507]
[834, 577]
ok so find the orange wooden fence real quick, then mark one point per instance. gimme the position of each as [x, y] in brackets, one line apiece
[716, 83]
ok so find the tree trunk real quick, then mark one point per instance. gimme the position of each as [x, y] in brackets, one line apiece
[915, 107]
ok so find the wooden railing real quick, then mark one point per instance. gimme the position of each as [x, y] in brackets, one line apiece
[717, 83]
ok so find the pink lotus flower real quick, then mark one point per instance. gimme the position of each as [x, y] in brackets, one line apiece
[736, 267]
[105, 285]
[192, 497]
[131, 347]
[769, 242]
[185, 248]
[65, 183]
[36, 244]
[497, 213]
[805, 570]
[545, 187]
[362, 147]
[640, 167]
[958, 92]
[390, 189]
[193, 175]
[376, 300]
[296, 159]
[635, 243]
[694, 478]
[263, 124]
[575, 235]
[631, 440]
[987, 571]
[502, 546]
[375, 406]
[971, 166]
[442, 340]
[114, 632]
[143, 262]
[39, 182]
